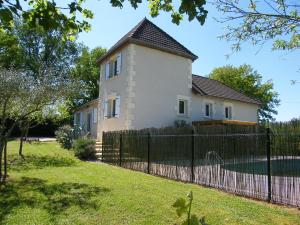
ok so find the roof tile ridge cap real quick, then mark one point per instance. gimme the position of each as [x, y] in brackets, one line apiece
[138, 26]
[173, 39]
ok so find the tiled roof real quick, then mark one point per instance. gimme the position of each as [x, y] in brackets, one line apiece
[87, 104]
[148, 34]
[210, 87]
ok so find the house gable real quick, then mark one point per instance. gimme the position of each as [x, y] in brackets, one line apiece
[149, 35]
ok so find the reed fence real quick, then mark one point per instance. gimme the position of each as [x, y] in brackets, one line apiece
[247, 160]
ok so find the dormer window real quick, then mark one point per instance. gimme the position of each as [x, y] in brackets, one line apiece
[113, 66]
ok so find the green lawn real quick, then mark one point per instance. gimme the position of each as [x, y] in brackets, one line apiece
[52, 187]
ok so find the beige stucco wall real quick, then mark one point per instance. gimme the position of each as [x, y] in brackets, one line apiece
[149, 86]
[86, 110]
[240, 111]
[160, 79]
[117, 85]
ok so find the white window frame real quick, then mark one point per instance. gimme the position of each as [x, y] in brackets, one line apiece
[186, 100]
[184, 107]
[112, 106]
[210, 109]
[230, 111]
[113, 66]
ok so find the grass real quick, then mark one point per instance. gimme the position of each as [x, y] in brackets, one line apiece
[52, 187]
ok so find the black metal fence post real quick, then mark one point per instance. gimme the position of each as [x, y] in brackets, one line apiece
[148, 153]
[269, 164]
[121, 146]
[193, 156]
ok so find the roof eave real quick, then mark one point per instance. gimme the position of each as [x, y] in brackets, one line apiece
[112, 51]
[145, 44]
[87, 104]
[153, 46]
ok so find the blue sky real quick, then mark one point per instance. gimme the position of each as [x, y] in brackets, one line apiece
[110, 24]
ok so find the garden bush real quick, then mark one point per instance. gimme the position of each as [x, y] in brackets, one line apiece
[64, 136]
[84, 148]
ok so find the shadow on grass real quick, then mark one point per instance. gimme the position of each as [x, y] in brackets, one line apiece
[16, 163]
[54, 198]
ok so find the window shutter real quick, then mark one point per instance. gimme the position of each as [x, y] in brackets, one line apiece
[107, 70]
[117, 102]
[106, 109]
[74, 121]
[81, 119]
[230, 112]
[211, 110]
[95, 115]
[119, 63]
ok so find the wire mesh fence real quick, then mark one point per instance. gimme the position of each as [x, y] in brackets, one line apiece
[247, 160]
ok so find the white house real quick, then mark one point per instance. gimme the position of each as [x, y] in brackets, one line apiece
[146, 81]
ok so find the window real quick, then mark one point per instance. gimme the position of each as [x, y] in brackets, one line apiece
[228, 112]
[181, 107]
[208, 109]
[77, 119]
[112, 107]
[113, 67]
[95, 115]
[89, 121]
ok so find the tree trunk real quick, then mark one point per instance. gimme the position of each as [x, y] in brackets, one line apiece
[5, 161]
[21, 143]
[24, 133]
[1, 151]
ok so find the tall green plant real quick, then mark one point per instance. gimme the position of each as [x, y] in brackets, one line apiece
[184, 207]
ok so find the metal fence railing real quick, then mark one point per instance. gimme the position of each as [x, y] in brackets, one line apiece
[249, 161]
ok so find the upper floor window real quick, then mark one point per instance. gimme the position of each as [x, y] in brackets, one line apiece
[112, 107]
[209, 110]
[228, 112]
[113, 67]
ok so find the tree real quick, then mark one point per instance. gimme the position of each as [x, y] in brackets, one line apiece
[21, 96]
[56, 113]
[248, 81]
[10, 51]
[37, 48]
[260, 21]
[87, 70]
[33, 50]
[50, 15]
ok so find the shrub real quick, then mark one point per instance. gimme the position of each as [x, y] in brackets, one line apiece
[84, 148]
[180, 123]
[64, 136]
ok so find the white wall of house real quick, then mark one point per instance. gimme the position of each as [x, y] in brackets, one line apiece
[150, 85]
[240, 110]
[161, 80]
[115, 87]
